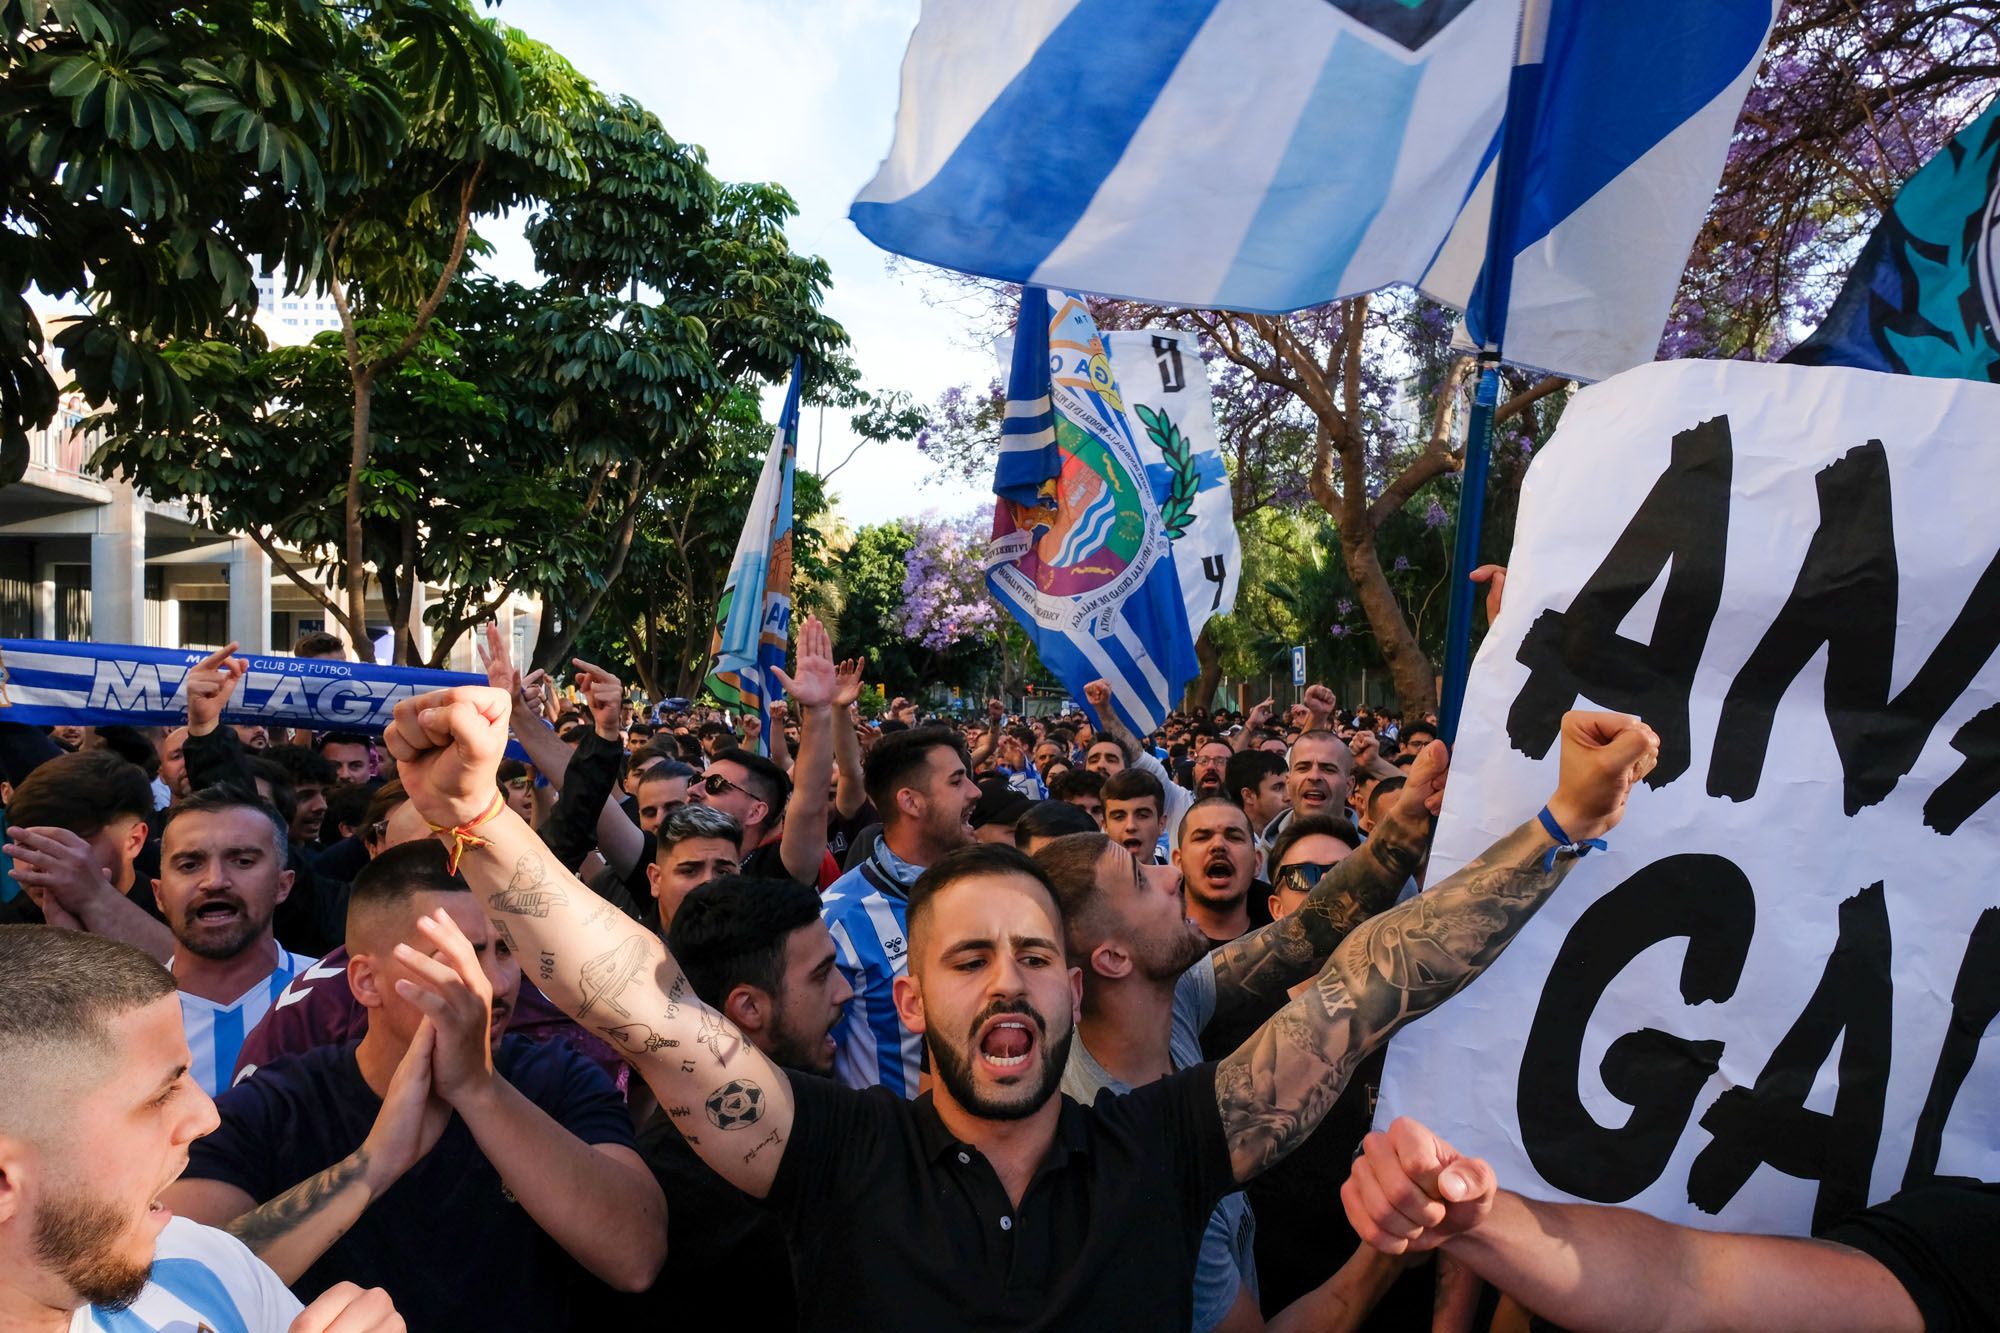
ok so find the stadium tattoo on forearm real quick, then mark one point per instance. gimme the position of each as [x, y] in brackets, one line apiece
[1268, 962]
[528, 892]
[271, 1222]
[1394, 968]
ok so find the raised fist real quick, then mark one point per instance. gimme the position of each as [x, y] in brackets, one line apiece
[1098, 692]
[447, 746]
[1603, 754]
[1410, 1191]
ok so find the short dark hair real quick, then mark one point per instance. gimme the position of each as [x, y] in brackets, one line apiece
[1417, 728]
[214, 800]
[768, 782]
[897, 760]
[132, 745]
[1106, 738]
[707, 729]
[666, 768]
[1306, 826]
[400, 874]
[347, 803]
[1247, 770]
[318, 643]
[1070, 862]
[1210, 803]
[302, 766]
[82, 792]
[342, 738]
[978, 858]
[1077, 782]
[1386, 787]
[1133, 784]
[382, 804]
[1051, 819]
[731, 932]
[284, 799]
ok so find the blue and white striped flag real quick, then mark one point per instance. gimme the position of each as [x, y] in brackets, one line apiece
[1079, 554]
[1625, 113]
[753, 623]
[1269, 155]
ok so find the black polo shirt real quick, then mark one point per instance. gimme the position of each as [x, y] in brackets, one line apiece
[895, 1224]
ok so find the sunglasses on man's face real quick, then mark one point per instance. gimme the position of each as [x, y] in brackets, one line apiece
[518, 784]
[715, 784]
[1301, 876]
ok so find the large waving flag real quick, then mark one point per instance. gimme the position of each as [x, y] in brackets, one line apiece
[1622, 115]
[1080, 556]
[754, 621]
[1923, 298]
[1269, 155]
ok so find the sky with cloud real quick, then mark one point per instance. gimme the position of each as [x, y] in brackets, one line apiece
[802, 92]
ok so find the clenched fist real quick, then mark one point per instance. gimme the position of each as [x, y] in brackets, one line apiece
[1410, 1191]
[1603, 754]
[447, 746]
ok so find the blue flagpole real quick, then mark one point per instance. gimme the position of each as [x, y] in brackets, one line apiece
[1496, 280]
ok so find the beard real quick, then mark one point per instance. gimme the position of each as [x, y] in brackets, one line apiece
[1166, 960]
[75, 1236]
[953, 1066]
[219, 945]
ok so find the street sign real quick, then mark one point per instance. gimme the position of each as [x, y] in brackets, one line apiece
[1299, 665]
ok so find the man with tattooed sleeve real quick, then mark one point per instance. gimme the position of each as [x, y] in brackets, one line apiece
[482, 1179]
[991, 1199]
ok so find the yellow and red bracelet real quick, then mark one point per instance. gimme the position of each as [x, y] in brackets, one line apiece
[462, 835]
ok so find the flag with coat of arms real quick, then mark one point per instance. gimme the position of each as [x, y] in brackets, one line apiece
[1079, 555]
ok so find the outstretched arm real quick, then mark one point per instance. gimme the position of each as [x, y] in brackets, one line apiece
[607, 972]
[1258, 970]
[1588, 1267]
[803, 842]
[1275, 1089]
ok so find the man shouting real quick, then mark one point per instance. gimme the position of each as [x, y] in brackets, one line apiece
[992, 1193]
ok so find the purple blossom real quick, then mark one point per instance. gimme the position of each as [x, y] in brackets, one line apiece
[1435, 516]
[945, 602]
[1402, 565]
[1338, 631]
[1345, 606]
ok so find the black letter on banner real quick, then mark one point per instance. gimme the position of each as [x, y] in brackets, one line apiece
[1769, 1122]
[1167, 352]
[1684, 520]
[1845, 598]
[1975, 1001]
[1695, 895]
[1977, 780]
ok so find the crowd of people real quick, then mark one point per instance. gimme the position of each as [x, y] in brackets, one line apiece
[549, 1012]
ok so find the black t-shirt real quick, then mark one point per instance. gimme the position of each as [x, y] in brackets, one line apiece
[895, 1224]
[447, 1243]
[841, 832]
[718, 1239]
[1940, 1241]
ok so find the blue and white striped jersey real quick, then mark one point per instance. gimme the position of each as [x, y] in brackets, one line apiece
[215, 1032]
[202, 1279]
[865, 911]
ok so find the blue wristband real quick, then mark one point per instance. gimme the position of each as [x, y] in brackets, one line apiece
[1565, 843]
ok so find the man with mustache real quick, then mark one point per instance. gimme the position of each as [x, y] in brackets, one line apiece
[480, 1178]
[1217, 861]
[222, 876]
[992, 1199]
[96, 1117]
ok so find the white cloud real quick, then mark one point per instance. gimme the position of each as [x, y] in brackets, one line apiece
[801, 92]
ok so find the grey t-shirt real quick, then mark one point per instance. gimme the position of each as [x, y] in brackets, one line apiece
[1228, 1246]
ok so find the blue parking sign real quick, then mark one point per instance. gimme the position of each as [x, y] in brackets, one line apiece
[1299, 665]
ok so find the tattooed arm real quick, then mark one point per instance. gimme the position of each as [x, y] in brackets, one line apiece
[290, 1232]
[1256, 971]
[599, 966]
[1400, 965]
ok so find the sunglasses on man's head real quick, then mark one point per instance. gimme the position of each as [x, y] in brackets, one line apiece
[1301, 876]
